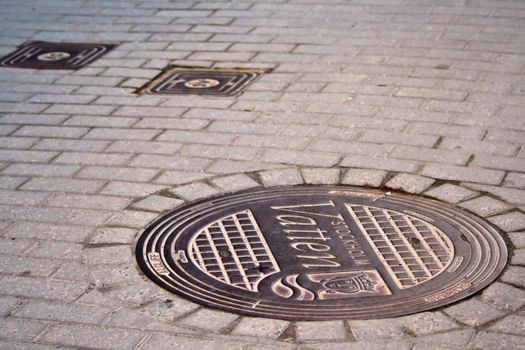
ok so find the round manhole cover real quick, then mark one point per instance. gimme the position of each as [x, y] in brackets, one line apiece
[319, 253]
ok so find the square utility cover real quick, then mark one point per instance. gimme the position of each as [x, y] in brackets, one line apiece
[45, 55]
[202, 81]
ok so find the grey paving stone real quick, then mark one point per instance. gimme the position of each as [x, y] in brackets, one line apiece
[11, 182]
[136, 320]
[22, 198]
[53, 170]
[54, 311]
[110, 276]
[113, 159]
[433, 346]
[169, 310]
[108, 255]
[28, 266]
[473, 312]
[51, 131]
[194, 191]
[429, 323]
[509, 222]
[380, 136]
[511, 195]
[49, 231]
[113, 235]
[130, 189]
[364, 177]
[144, 147]
[317, 331]
[459, 338]
[92, 336]
[87, 201]
[24, 346]
[458, 173]
[410, 183]
[517, 238]
[345, 147]
[158, 203]
[74, 271]
[137, 294]
[7, 304]
[518, 257]
[313, 159]
[195, 137]
[515, 180]
[180, 177]
[53, 184]
[165, 342]
[476, 147]
[94, 121]
[117, 173]
[489, 340]
[281, 177]
[257, 327]
[210, 320]
[235, 182]
[504, 296]
[513, 324]
[430, 155]
[170, 162]
[373, 330]
[56, 250]
[485, 206]
[498, 162]
[42, 288]
[26, 156]
[320, 176]
[230, 166]
[380, 163]
[514, 275]
[50, 144]
[131, 218]
[13, 142]
[222, 152]
[10, 246]
[19, 329]
[121, 134]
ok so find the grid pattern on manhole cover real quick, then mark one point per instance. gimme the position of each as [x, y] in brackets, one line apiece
[47, 55]
[202, 81]
[232, 250]
[321, 253]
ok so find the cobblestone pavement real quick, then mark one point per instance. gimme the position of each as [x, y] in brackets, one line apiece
[418, 95]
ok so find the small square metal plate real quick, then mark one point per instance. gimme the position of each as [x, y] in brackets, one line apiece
[202, 81]
[46, 55]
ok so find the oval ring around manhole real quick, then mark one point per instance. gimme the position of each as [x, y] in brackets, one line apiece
[321, 253]
[53, 56]
[202, 83]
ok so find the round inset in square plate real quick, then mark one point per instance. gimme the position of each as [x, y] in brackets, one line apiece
[321, 253]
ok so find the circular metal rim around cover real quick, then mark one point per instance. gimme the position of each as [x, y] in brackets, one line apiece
[397, 254]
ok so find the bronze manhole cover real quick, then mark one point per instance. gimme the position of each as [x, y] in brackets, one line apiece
[46, 55]
[320, 253]
[202, 81]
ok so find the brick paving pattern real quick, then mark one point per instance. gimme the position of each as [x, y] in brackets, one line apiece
[423, 96]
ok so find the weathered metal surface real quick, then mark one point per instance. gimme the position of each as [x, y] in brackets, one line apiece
[202, 81]
[321, 252]
[46, 55]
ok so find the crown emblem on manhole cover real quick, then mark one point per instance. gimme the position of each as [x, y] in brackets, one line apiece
[202, 81]
[46, 55]
[320, 253]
